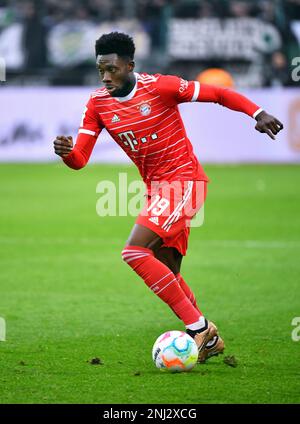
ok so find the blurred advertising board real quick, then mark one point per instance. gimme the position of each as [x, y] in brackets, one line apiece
[32, 117]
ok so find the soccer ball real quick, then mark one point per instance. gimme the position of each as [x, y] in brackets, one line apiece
[175, 351]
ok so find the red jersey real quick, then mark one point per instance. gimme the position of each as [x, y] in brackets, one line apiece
[147, 125]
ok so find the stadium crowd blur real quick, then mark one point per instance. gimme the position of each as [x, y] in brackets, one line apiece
[52, 41]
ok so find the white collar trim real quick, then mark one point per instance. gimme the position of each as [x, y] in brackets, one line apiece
[132, 92]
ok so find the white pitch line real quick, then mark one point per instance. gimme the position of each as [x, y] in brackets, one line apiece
[249, 244]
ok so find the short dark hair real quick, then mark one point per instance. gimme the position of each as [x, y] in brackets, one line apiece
[115, 42]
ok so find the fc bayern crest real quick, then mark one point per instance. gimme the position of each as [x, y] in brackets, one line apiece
[145, 109]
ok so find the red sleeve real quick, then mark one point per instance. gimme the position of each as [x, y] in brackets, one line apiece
[175, 90]
[81, 152]
[90, 128]
[227, 98]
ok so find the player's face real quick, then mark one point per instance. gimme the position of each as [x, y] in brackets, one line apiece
[115, 73]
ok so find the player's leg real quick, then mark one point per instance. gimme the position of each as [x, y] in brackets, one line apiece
[172, 258]
[144, 237]
[153, 229]
[139, 253]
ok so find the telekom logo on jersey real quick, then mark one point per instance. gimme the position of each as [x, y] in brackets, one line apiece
[129, 139]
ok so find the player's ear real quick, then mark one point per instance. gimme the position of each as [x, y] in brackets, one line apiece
[131, 65]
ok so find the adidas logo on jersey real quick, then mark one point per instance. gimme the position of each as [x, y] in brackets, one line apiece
[115, 118]
[154, 219]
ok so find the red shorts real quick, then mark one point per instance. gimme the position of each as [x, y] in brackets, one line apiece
[169, 209]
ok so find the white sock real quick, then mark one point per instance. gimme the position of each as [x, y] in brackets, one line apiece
[198, 325]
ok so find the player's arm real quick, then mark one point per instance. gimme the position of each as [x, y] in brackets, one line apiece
[176, 90]
[231, 99]
[77, 157]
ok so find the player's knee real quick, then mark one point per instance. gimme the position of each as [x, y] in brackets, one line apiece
[130, 253]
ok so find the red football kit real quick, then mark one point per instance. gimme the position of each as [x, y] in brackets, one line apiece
[147, 125]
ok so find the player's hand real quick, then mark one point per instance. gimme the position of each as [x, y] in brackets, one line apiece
[268, 124]
[63, 145]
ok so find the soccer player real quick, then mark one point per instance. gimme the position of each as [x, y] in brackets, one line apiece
[140, 112]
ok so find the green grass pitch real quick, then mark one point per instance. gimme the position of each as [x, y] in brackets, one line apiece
[67, 297]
